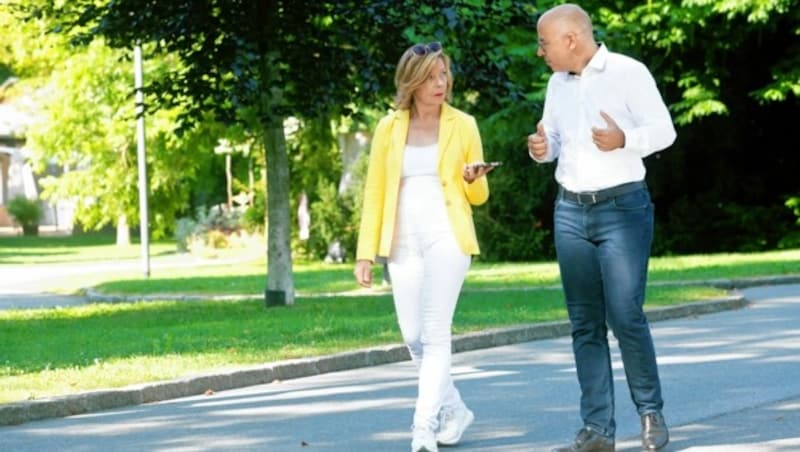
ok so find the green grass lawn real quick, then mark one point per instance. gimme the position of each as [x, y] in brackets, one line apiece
[249, 277]
[76, 248]
[62, 351]
[46, 352]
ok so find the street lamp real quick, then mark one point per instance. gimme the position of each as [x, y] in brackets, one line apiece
[144, 233]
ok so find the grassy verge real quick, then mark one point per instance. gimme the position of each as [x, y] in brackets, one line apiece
[62, 351]
[249, 277]
[76, 248]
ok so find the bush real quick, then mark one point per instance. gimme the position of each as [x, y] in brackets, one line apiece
[214, 229]
[723, 226]
[27, 213]
[184, 230]
[253, 217]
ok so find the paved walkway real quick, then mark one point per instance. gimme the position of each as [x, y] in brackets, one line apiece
[731, 383]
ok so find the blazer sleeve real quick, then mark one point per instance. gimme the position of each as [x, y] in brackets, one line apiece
[374, 193]
[478, 191]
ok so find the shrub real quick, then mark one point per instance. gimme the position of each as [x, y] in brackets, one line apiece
[335, 220]
[184, 230]
[253, 217]
[27, 213]
[214, 229]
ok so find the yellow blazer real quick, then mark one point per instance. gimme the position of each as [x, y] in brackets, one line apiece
[459, 144]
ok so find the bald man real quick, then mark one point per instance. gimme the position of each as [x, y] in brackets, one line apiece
[603, 114]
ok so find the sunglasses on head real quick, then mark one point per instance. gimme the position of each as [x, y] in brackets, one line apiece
[424, 49]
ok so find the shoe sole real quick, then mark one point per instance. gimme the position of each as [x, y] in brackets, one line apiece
[470, 418]
[656, 449]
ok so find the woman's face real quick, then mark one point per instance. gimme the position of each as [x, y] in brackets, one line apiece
[433, 91]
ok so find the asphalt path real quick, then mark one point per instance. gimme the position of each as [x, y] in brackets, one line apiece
[731, 382]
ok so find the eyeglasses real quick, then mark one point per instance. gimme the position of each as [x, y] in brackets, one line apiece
[424, 49]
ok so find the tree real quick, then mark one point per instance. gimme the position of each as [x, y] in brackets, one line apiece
[27, 49]
[257, 63]
[254, 63]
[729, 71]
[85, 125]
[81, 100]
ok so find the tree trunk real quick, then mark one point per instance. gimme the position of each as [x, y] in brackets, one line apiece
[229, 180]
[280, 280]
[123, 231]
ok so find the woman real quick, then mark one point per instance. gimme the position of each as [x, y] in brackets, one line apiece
[424, 174]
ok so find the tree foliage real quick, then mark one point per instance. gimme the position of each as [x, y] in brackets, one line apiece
[86, 125]
[252, 63]
[728, 69]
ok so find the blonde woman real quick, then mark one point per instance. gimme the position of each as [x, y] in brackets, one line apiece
[424, 175]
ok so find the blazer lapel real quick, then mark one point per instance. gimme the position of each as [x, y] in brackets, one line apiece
[398, 143]
[446, 130]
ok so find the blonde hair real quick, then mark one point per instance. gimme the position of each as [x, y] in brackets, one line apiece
[412, 72]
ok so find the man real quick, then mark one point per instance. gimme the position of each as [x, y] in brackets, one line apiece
[602, 115]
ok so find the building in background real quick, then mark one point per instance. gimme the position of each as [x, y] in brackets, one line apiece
[16, 174]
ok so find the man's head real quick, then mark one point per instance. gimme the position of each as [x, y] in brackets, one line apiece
[565, 38]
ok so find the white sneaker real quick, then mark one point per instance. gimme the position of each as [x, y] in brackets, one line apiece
[424, 440]
[452, 423]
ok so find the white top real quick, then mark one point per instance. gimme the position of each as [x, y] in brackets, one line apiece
[624, 89]
[421, 160]
[421, 205]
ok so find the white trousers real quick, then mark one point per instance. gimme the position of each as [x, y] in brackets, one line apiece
[427, 269]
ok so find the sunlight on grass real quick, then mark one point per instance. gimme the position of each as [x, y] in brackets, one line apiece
[58, 351]
[733, 265]
[250, 278]
[75, 248]
[239, 278]
[240, 273]
[512, 274]
[112, 345]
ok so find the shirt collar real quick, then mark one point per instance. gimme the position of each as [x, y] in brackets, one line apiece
[597, 63]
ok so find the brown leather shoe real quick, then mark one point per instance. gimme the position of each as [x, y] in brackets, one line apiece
[589, 440]
[654, 431]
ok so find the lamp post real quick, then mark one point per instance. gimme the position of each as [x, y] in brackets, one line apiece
[144, 234]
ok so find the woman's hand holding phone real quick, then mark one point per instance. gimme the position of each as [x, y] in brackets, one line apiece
[486, 164]
[475, 170]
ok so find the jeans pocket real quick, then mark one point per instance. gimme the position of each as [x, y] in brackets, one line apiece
[639, 199]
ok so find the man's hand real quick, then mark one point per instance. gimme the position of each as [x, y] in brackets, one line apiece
[610, 138]
[363, 272]
[537, 143]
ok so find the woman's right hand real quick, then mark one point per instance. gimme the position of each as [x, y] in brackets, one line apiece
[363, 272]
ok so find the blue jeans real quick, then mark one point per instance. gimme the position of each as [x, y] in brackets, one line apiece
[603, 250]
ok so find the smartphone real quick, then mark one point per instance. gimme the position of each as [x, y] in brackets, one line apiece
[486, 164]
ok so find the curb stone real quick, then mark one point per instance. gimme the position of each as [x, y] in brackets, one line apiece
[92, 401]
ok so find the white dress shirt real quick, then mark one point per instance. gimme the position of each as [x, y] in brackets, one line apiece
[624, 89]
